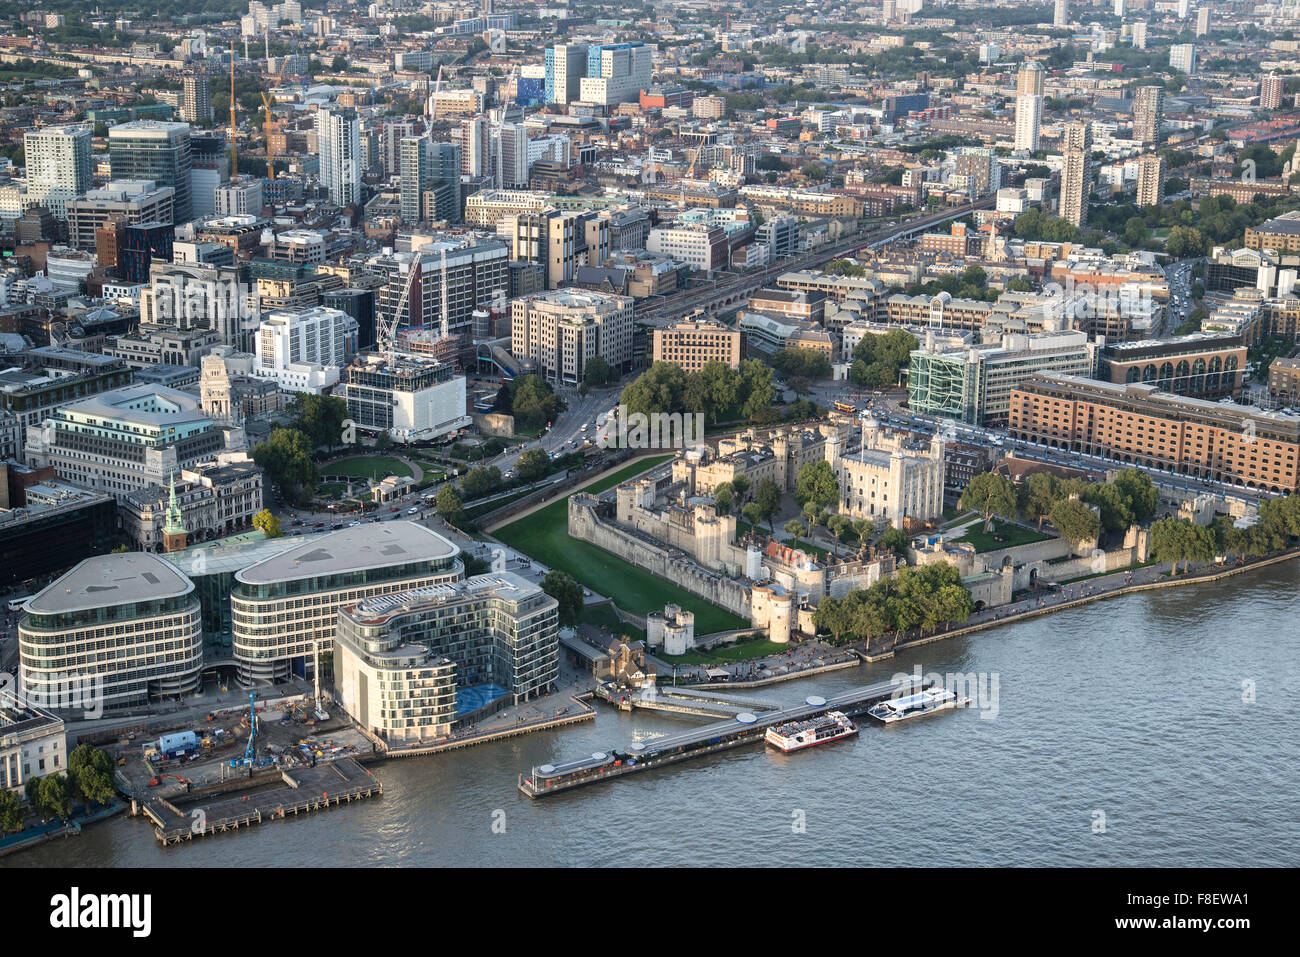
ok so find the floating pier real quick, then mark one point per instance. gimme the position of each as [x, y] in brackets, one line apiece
[303, 791]
[687, 701]
[744, 728]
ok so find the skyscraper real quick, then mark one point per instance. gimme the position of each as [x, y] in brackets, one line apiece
[196, 100]
[1151, 180]
[338, 135]
[1148, 113]
[1119, 8]
[1076, 174]
[616, 73]
[430, 180]
[58, 165]
[1202, 21]
[162, 152]
[475, 147]
[510, 156]
[1029, 106]
[1270, 92]
[566, 65]
[1140, 35]
[1061, 13]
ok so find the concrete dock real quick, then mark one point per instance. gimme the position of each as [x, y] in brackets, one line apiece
[302, 791]
[744, 728]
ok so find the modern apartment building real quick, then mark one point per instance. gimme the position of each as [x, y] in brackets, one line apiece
[1029, 106]
[1148, 114]
[563, 330]
[488, 207]
[566, 65]
[1137, 423]
[58, 165]
[338, 134]
[285, 608]
[692, 343]
[158, 151]
[196, 99]
[124, 627]
[303, 351]
[1151, 180]
[559, 240]
[401, 659]
[239, 198]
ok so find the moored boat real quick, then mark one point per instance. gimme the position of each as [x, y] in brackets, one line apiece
[812, 731]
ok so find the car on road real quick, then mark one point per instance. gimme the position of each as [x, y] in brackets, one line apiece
[413, 511]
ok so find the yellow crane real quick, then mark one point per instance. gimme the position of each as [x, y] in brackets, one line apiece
[267, 100]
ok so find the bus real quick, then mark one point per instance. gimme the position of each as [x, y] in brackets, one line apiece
[845, 408]
[16, 604]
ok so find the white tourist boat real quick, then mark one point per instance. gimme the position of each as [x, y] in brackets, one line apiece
[917, 705]
[804, 734]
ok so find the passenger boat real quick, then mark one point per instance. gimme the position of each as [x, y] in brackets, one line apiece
[804, 734]
[917, 705]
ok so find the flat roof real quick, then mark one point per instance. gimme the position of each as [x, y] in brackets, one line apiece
[371, 545]
[113, 579]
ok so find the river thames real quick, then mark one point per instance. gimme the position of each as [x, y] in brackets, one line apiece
[1151, 729]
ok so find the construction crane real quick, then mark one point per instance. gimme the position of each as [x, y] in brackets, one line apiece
[250, 752]
[267, 100]
[386, 334]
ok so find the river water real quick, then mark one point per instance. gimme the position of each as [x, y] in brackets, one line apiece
[1121, 737]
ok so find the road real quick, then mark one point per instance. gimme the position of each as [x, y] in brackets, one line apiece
[1179, 277]
[680, 303]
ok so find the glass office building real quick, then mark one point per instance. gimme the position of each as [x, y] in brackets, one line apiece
[283, 607]
[127, 625]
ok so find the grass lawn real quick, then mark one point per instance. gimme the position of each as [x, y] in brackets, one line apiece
[1004, 535]
[604, 615]
[815, 550]
[758, 648]
[367, 466]
[544, 535]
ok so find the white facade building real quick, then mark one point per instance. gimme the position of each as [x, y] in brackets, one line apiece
[304, 351]
[338, 133]
[58, 166]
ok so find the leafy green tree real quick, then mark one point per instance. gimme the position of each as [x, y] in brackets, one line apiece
[723, 497]
[533, 402]
[1075, 521]
[1140, 493]
[11, 812]
[752, 514]
[741, 486]
[55, 797]
[448, 504]
[1037, 495]
[568, 593]
[532, 465]
[990, 494]
[767, 496]
[1115, 513]
[267, 523]
[756, 391]
[481, 481]
[286, 456]
[818, 485]
[598, 372]
[90, 775]
[320, 418]
[795, 528]
[896, 540]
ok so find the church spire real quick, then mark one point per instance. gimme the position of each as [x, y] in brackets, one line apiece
[174, 534]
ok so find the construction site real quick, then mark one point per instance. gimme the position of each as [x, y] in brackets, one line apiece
[242, 765]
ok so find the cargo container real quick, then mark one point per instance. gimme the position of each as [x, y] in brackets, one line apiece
[173, 745]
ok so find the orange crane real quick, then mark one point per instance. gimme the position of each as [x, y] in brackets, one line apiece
[267, 100]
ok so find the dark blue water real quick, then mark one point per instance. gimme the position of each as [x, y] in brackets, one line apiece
[1130, 708]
